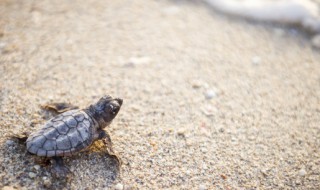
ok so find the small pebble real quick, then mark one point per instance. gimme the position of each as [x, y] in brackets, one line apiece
[204, 150]
[199, 84]
[204, 166]
[223, 176]
[37, 167]
[181, 134]
[210, 94]
[256, 60]
[134, 61]
[2, 45]
[32, 175]
[135, 107]
[264, 172]
[171, 10]
[46, 181]
[196, 85]
[202, 187]
[119, 186]
[302, 172]
[9, 142]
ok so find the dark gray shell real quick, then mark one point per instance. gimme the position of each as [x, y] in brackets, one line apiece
[63, 135]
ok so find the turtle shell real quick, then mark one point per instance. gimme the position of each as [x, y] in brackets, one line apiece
[63, 135]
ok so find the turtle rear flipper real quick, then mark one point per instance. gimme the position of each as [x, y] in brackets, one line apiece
[59, 107]
[22, 137]
[59, 170]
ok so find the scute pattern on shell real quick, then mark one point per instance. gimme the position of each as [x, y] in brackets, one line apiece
[63, 135]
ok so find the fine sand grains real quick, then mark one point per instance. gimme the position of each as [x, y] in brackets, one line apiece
[210, 102]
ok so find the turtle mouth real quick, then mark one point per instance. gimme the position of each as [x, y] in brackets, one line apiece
[119, 100]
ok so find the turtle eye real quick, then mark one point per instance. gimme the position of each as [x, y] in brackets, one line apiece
[112, 109]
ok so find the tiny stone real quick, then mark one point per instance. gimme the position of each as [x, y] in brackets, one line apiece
[210, 94]
[134, 61]
[302, 172]
[135, 107]
[202, 187]
[251, 138]
[37, 167]
[264, 172]
[32, 175]
[256, 60]
[195, 85]
[46, 181]
[198, 84]
[204, 166]
[9, 142]
[181, 134]
[119, 186]
[171, 10]
[223, 176]
[204, 150]
[2, 45]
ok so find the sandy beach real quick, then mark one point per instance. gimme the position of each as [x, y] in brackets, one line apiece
[210, 101]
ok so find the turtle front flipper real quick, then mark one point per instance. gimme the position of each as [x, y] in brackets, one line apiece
[59, 170]
[59, 107]
[106, 139]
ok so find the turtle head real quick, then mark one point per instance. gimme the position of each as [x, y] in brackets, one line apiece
[105, 110]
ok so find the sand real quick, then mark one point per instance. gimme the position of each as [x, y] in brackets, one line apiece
[210, 102]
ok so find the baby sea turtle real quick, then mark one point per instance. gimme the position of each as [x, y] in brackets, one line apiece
[73, 131]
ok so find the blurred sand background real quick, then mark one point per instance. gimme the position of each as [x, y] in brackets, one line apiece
[210, 102]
